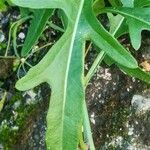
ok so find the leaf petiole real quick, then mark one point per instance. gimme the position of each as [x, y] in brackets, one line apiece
[91, 72]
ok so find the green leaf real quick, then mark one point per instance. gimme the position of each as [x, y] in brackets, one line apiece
[108, 60]
[36, 28]
[2, 101]
[118, 25]
[63, 69]
[137, 73]
[141, 3]
[105, 41]
[136, 21]
[115, 3]
[24, 12]
[63, 18]
[114, 21]
[97, 5]
[127, 3]
[2, 5]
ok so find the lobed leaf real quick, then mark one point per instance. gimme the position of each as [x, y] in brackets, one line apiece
[63, 68]
[136, 21]
[105, 41]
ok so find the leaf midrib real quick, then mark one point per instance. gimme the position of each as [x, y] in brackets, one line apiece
[69, 59]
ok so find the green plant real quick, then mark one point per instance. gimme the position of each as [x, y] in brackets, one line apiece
[3, 4]
[63, 65]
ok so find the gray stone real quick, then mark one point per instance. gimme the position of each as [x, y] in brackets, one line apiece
[140, 103]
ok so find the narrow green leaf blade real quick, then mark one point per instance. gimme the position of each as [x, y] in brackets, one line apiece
[137, 73]
[36, 28]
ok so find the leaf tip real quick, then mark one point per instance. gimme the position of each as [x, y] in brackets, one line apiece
[19, 85]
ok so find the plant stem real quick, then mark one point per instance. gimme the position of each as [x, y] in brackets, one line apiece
[28, 64]
[38, 49]
[9, 38]
[18, 23]
[19, 67]
[88, 48]
[87, 128]
[11, 29]
[8, 57]
[97, 61]
[55, 27]
[3, 101]
[14, 40]
[81, 142]
[46, 45]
